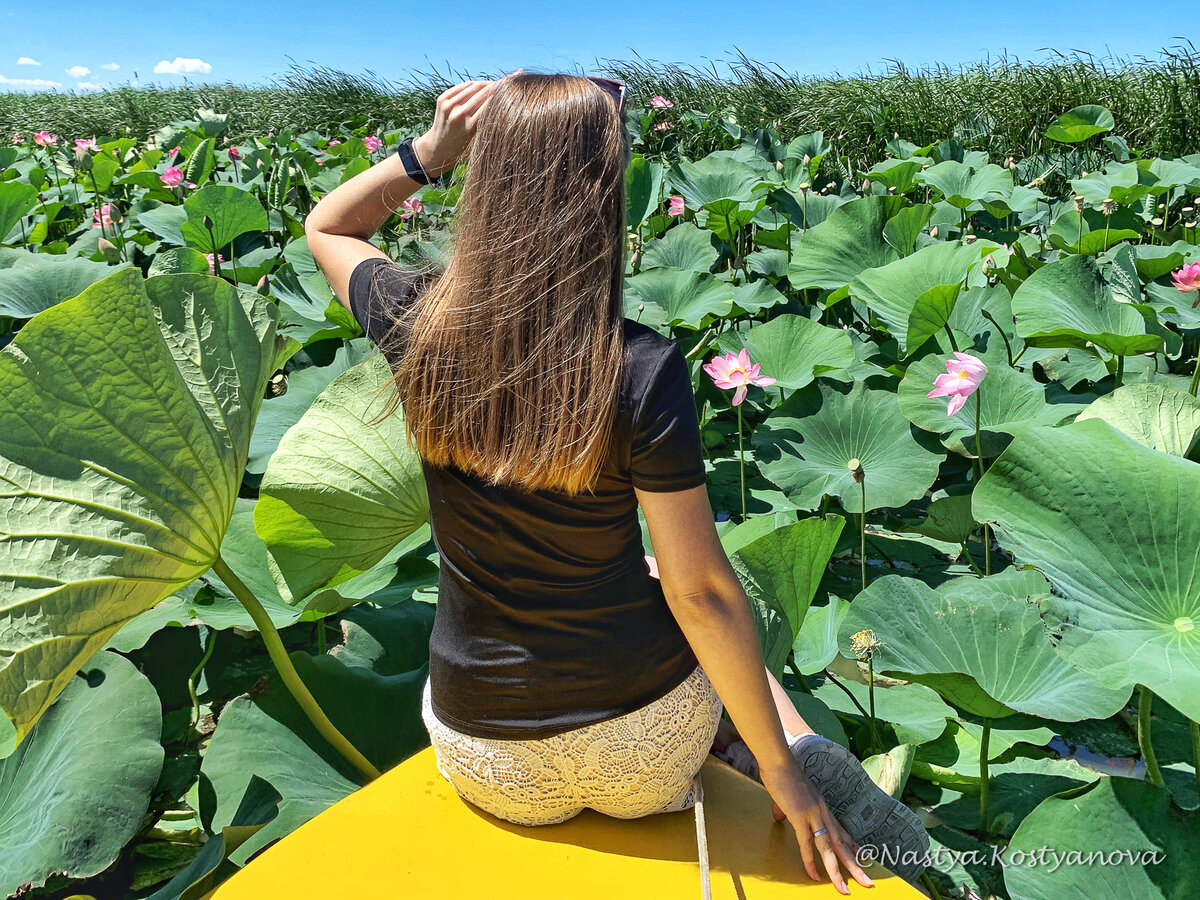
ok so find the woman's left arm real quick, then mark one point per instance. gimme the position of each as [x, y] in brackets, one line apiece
[340, 226]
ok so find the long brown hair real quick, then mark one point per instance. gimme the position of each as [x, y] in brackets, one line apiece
[514, 356]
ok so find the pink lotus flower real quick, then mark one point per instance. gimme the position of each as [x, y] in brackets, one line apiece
[733, 370]
[174, 150]
[85, 144]
[212, 269]
[103, 217]
[1187, 279]
[663, 126]
[411, 207]
[172, 176]
[234, 153]
[660, 102]
[372, 143]
[676, 206]
[17, 137]
[45, 139]
[334, 142]
[963, 376]
[189, 184]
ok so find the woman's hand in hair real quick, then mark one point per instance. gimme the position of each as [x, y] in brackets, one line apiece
[458, 112]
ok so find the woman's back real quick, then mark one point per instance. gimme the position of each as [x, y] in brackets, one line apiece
[548, 618]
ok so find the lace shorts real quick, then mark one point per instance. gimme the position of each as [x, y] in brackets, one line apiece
[634, 765]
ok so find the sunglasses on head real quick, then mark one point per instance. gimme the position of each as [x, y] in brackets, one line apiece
[615, 88]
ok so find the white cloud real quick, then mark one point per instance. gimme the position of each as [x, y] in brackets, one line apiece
[78, 71]
[26, 61]
[89, 86]
[182, 66]
[30, 82]
[112, 66]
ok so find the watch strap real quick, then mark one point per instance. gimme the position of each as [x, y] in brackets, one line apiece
[412, 165]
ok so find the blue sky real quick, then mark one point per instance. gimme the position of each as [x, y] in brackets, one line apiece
[254, 41]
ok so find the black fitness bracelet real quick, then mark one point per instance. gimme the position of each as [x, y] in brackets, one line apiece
[412, 164]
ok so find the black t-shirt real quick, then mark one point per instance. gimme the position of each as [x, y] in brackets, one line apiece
[547, 617]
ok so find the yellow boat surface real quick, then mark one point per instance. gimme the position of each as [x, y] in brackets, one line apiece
[409, 835]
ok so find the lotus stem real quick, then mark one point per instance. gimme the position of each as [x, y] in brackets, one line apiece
[1195, 729]
[862, 534]
[971, 561]
[846, 691]
[950, 335]
[984, 778]
[1120, 372]
[211, 643]
[287, 672]
[871, 701]
[1145, 700]
[987, 541]
[1004, 337]
[741, 461]
[930, 885]
[1195, 379]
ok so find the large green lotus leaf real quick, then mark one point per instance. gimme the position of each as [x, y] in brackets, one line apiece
[1157, 415]
[792, 349]
[27, 290]
[338, 494]
[1014, 795]
[303, 386]
[370, 687]
[1121, 182]
[757, 295]
[850, 241]
[716, 177]
[675, 297]
[1116, 838]
[1081, 123]
[915, 296]
[1156, 260]
[961, 185]
[780, 572]
[16, 200]
[980, 643]
[1113, 525]
[124, 433]
[1070, 302]
[75, 794]
[683, 247]
[805, 446]
[643, 179]
[165, 220]
[816, 645]
[231, 210]
[1007, 401]
[917, 713]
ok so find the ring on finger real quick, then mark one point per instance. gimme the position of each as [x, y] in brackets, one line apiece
[819, 833]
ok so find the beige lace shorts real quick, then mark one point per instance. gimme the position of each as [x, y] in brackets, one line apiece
[638, 764]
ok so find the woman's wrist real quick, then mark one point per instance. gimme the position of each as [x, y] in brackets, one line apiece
[429, 157]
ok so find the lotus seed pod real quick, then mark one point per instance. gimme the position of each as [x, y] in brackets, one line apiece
[1156, 221]
[803, 186]
[1108, 206]
[969, 238]
[864, 643]
[1079, 202]
[856, 470]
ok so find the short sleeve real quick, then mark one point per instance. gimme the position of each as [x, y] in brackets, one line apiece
[666, 452]
[398, 287]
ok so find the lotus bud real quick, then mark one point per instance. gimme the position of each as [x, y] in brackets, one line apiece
[933, 232]
[263, 286]
[1083, 174]
[807, 159]
[895, 135]
[111, 253]
[738, 262]
[856, 470]
[1108, 206]
[207, 223]
[989, 263]
[641, 307]
[778, 165]
[866, 185]
[1009, 163]
[636, 259]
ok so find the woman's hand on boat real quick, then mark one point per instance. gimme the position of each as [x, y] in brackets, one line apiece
[795, 799]
[454, 120]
